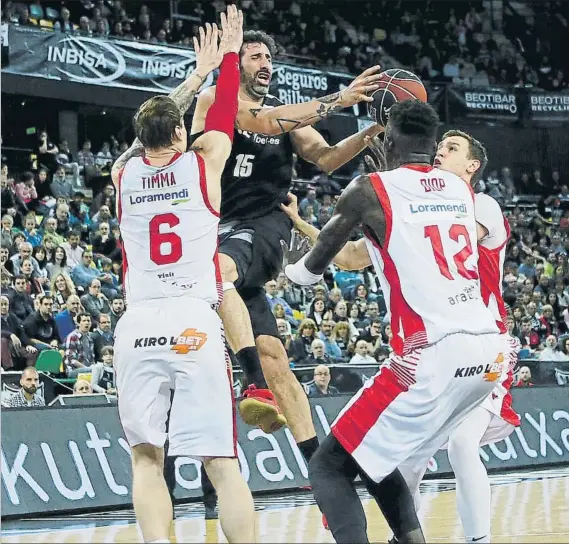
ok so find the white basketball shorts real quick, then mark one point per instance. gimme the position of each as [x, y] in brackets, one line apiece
[170, 354]
[406, 412]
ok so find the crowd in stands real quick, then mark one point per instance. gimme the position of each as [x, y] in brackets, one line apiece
[440, 41]
[61, 274]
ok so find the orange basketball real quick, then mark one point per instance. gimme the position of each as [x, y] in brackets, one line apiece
[395, 86]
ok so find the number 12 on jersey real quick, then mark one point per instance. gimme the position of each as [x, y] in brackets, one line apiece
[455, 232]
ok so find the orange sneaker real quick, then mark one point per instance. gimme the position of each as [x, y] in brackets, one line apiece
[325, 522]
[260, 408]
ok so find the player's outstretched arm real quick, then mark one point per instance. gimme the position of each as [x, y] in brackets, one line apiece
[215, 144]
[353, 256]
[267, 120]
[357, 203]
[208, 58]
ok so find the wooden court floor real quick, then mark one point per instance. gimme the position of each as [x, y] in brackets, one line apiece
[526, 507]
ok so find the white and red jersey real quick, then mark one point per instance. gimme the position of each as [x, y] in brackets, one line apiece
[491, 256]
[428, 265]
[169, 231]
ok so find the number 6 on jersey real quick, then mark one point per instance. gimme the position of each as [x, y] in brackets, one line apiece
[165, 247]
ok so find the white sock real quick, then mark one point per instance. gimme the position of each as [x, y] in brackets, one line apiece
[473, 498]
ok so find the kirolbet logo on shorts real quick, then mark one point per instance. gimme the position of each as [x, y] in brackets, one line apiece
[189, 340]
[491, 372]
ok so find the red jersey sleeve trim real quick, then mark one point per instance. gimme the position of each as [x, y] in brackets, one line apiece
[203, 184]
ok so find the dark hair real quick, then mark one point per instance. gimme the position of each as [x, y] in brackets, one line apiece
[414, 118]
[476, 150]
[155, 122]
[526, 319]
[35, 251]
[42, 298]
[74, 233]
[20, 277]
[27, 176]
[107, 350]
[81, 315]
[258, 36]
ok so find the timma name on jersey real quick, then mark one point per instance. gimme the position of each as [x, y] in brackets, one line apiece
[159, 180]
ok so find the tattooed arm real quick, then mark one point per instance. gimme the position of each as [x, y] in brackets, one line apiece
[253, 117]
[312, 147]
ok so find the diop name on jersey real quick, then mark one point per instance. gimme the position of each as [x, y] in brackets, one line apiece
[177, 197]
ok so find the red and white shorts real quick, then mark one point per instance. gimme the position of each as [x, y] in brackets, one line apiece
[175, 345]
[407, 411]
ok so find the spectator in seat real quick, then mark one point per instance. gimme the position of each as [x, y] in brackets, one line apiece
[6, 263]
[301, 346]
[64, 24]
[85, 157]
[524, 377]
[316, 311]
[318, 355]
[26, 190]
[6, 234]
[273, 299]
[102, 335]
[65, 319]
[104, 156]
[24, 252]
[11, 204]
[24, 18]
[50, 228]
[117, 310]
[60, 186]
[79, 347]
[103, 216]
[342, 336]
[17, 353]
[40, 326]
[285, 335]
[62, 217]
[46, 151]
[95, 302]
[74, 251]
[528, 338]
[552, 352]
[108, 193]
[32, 234]
[21, 303]
[103, 374]
[104, 242]
[82, 387]
[39, 254]
[84, 26]
[27, 396]
[61, 289]
[34, 284]
[58, 263]
[362, 356]
[332, 349]
[372, 333]
[309, 200]
[357, 318]
[321, 386]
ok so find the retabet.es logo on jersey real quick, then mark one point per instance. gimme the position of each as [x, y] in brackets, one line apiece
[491, 372]
[189, 340]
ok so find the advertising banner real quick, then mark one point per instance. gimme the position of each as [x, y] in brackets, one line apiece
[549, 106]
[483, 102]
[94, 61]
[63, 459]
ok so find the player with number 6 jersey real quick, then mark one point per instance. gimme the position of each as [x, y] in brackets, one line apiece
[170, 353]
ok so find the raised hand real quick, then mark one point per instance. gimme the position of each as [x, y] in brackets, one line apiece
[208, 53]
[298, 248]
[360, 89]
[232, 30]
[378, 162]
[291, 209]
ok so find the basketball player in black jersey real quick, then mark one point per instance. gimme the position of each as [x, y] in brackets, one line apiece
[254, 229]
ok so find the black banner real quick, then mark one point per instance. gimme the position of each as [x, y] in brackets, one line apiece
[94, 61]
[483, 102]
[56, 459]
[549, 106]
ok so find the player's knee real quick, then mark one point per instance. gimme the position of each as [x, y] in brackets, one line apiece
[462, 449]
[228, 268]
[273, 356]
[148, 456]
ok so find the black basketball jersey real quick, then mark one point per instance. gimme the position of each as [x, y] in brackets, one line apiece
[258, 173]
